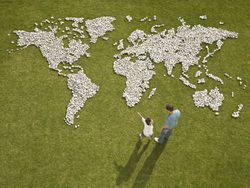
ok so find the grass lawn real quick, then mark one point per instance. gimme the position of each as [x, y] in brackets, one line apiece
[37, 149]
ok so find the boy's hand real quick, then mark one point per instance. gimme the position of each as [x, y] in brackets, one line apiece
[139, 114]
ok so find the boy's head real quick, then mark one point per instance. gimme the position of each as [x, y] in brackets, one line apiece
[169, 108]
[148, 121]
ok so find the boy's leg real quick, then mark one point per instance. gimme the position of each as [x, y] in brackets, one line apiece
[152, 136]
[141, 135]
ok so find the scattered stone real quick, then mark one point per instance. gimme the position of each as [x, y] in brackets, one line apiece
[76, 21]
[221, 23]
[232, 94]
[216, 78]
[186, 82]
[238, 78]
[227, 75]
[201, 81]
[129, 18]
[198, 74]
[143, 19]
[105, 38]
[152, 92]
[237, 113]
[203, 17]
[153, 30]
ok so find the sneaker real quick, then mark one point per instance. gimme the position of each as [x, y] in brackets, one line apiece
[140, 136]
[156, 139]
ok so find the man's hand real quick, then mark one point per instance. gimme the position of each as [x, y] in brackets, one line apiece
[164, 127]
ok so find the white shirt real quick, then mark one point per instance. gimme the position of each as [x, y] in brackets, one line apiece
[148, 129]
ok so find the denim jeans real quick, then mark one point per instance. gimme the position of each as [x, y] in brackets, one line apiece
[165, 133]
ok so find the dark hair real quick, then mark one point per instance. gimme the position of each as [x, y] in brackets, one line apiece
[170, 107]
[148, 121]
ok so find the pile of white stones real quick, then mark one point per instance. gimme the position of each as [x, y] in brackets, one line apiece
[237, 113]
[172, 47]
[98, 27]
[52, 47]
[82, 89]
[213, 99]
[138, 75]
[182, 45]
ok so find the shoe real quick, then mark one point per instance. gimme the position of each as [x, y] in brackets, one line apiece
[156, 139]
[140, 136]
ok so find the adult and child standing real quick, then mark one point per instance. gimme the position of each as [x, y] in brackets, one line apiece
[166, 130]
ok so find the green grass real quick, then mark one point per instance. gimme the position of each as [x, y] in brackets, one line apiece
[38, 150]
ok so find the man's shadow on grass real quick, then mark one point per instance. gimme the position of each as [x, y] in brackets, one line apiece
[126, 171]
[148, 166]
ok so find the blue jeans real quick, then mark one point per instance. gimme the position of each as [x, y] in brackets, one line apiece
[165, 133]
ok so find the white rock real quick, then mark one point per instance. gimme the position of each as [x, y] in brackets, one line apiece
[152, 92]
[129, 18]
[203, 17]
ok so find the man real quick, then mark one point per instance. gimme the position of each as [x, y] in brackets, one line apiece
[170, 122]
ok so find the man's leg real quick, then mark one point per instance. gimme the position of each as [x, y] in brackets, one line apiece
[162, 137]
[168, 134]
[165, 133]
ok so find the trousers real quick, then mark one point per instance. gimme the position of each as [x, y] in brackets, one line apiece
[165, 133]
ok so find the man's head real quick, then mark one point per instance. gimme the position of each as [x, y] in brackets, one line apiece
[169, 108]
[148, 121]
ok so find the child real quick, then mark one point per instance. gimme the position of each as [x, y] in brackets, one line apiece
[148, 127]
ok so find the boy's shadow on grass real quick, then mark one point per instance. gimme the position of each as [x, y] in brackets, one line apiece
[148, 166]
[126, 171]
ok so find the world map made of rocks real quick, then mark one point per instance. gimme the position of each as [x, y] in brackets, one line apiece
[168, 46]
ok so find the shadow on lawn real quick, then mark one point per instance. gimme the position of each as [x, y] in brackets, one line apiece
[148, 166]
[126, 171]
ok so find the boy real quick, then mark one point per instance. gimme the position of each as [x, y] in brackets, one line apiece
[148, 127]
